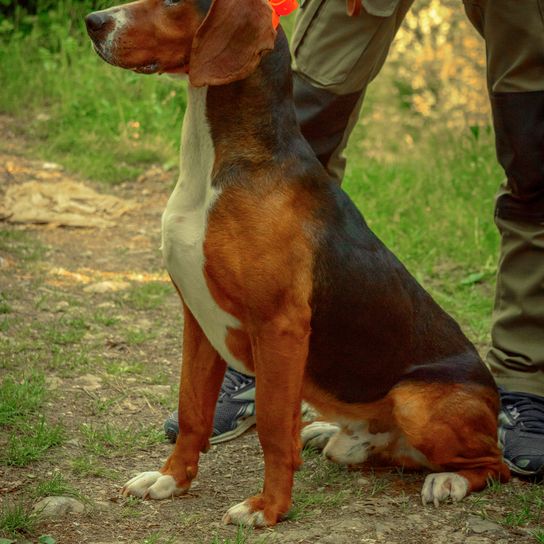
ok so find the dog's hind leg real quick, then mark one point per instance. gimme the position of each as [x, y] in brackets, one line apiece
[201, 377]
[453, 427]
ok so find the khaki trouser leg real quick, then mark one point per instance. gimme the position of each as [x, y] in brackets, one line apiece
[335, 57]
[514, 35]
[516, 356]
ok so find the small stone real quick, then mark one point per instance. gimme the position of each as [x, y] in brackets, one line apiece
[89, 382]
[56, 507]
[51, 165]
[54, 382]
[478, 525]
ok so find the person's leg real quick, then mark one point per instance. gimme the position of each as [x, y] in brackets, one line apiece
[335, 57]
[514, 35]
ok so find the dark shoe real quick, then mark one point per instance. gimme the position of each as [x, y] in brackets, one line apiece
[521, 432]
[234, 412]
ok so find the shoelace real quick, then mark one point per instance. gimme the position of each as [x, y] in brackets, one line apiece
[529, 408]
[232, 382]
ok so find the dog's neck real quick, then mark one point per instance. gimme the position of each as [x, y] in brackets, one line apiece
[251, 121]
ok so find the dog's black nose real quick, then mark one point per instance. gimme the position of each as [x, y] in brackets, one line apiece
[97, 21]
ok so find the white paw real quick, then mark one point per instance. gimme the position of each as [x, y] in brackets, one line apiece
[241, 514]
[152, 485]
[438, 487]
[317, 434]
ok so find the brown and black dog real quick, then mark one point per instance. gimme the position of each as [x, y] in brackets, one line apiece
[280, 277]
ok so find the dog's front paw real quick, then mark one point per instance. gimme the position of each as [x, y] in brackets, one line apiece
[244, 514]
[153, 485]
[439, 487]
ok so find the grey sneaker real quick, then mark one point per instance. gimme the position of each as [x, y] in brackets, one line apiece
[521, 433]
[234, 411]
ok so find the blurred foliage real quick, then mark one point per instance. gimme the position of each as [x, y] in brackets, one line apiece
[439, 64]
[105, 123]
[432, 86]
[109, 123]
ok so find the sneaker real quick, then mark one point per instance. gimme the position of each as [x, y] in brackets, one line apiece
[521, 432]
[234, 411]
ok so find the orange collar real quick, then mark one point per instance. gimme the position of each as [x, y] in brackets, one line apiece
[281, 8]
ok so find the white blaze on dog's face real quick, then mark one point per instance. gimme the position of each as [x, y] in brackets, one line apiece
[215, 42]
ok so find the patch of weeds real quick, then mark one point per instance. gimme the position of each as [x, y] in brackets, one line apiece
[55, 487]
[121, 368]
[378, 485]
[539, 536]
[306, 502]
[21, 245]
[187, 520]
[161, 377]
[242, 537]
[5, 308]
[16, 520]
[65, 331]
[158, 538]
[17, 352]
[67, 362]
[30, 442]
[164, 401]
[103, 405]
[147, 296]
[19, 399]
[137, 337]
[131, 510]
[318, 471]
[526, 507]
[111, 441]
[105, 320]
[4, 324]
[88, 466]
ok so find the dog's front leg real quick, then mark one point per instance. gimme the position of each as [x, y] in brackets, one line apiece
[202, 372]
[280, 350]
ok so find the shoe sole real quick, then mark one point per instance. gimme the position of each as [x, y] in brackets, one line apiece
[241, 428]
[516, 471]
[244, 425]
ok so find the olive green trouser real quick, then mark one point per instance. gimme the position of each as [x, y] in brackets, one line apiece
[337, 56]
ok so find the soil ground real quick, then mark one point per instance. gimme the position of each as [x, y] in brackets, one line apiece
[111, 385]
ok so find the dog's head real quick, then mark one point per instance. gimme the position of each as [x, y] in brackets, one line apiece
[215, 42]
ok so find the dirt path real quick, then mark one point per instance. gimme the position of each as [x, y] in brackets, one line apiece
[111, 363]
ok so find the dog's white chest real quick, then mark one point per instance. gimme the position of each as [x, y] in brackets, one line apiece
[184, 225]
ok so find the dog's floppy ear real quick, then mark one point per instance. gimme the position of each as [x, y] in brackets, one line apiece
[229, 43]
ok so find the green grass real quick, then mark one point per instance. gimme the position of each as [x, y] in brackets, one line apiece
[89, 466]
[64, 331]
[147, 296]
[115, 441]
[309, 503]
[56, 486]
[30, 435]
[107, 110]
[527, 507]
[30, 441]
[19, 244]
[20, 399]
[16, 520]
